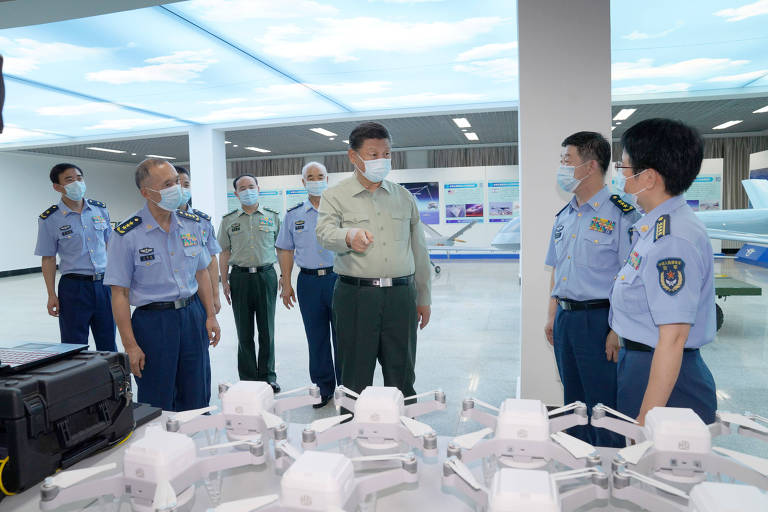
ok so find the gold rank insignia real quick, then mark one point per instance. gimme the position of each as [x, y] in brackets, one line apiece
[47, 213]
[622, 205]
[96, 203]
[662, 227]
[128, 225]
[200, 214]
[187, 215]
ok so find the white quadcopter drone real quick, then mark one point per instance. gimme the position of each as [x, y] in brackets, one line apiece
[159, 473]
[523, 490]
[525, 435]
[249, 409]
[325, 481]
[704, 497]
[676, 446]
[381, 422]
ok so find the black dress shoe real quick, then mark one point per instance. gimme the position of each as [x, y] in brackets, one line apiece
[323, 402]
[275, 387]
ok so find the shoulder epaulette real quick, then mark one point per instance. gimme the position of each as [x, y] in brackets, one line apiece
[96, 203]
[271, 210]
[562, 209]
[230, 213]
[187, 215]
[128, 225]
[47, 213]
[662, 227]
[621, 204]
[200, 214]
[294, 207]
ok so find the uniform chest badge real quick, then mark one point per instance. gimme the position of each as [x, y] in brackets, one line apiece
[602, 225]
[266, 221]
[66, 230]
[146, 254]
[98, 219]
[671, 275]
[235, 227]
[558, 231]
[188, 240]
[65, 227]
[298, 225]
[635, 259]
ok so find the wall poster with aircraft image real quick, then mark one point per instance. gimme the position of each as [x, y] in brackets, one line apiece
[427, 195]
[503, 200]
[294, 197]
[705, 193]
[464, 202]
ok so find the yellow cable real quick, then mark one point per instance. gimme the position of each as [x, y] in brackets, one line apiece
[125, 438]
[3, 462]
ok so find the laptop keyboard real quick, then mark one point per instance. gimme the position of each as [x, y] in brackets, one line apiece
[16, 357]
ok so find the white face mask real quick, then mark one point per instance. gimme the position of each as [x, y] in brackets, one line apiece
[169, 197]
[376, 170]
[75, 190]
[566, 179]
[316, 188]
[621, 184]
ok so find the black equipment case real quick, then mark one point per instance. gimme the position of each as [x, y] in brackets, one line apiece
[56, 415]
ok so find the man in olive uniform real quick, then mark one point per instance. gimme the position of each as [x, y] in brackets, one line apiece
[247, 237]
[383, 289]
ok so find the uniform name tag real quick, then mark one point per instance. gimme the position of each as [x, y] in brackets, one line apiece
[602, 225]
[147, 257]
[298, 225]
[235, 227]
[65, 233]
[188, 240]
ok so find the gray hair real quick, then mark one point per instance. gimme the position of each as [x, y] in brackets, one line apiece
[142, 170]
[310, 165]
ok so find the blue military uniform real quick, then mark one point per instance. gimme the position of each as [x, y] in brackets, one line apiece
[209, 233]
[80, 240]
[667, 279]
[589, 244]
[169, 320]
[314, 289]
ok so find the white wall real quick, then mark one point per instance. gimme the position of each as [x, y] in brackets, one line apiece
[26, 191]
[758, 160]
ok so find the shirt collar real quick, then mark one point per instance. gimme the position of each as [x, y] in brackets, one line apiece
[240, 210]
[309, 206]
[595, 201]
[149, 223]
[64, 209]
[358, 187]
[645, 224]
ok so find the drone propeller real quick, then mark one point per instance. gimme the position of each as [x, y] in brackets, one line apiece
[324, 424]
[271, 420]
[289, 449]
[564, 408]
[165, 497]
[742, 421]
[348, 391]
[576, 447]
[249, 442]
[416, 428]
[619, 415]
[247, 504]
[634, 453]
[463, 472]
[468, 441]
[185, 416]
[755, 463]
[294, 391]
[68, 478]
[655, 483]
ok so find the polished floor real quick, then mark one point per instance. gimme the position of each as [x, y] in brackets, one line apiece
[471, 346]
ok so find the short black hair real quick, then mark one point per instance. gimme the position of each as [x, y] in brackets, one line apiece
[674, 149]
[60, 168]
[142, 170]
[591, 146]
[234, 182]
[365, 131]
[182, 170]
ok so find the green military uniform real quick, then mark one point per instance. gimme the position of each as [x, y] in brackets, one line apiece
[250, 238]
[375, 298]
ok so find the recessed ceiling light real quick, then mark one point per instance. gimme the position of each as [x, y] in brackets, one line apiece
[235, 146]
[106, 150]
[624, 114]
[133, 154]
[227, 142]
[323, 131]
[258, 150]
[761, 110]
[462, 122]
[332, 138]
[345, 141]
[618, 123]
[161, 156]
[464, 130]
[613, 128]
[725, 125]
[471, 136]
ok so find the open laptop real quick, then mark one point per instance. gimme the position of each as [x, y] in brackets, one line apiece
[29, 355]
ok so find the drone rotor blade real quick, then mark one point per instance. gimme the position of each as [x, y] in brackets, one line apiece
[324, 424]
[742, 421]
[185, 416]
[165, 497]
[463, 472]
[233, 443]
[247, 505]
[575, 447]
[68, 478]
[755, 463]
[416, 428]
[468, 441]
[634, 453]
[271, 420]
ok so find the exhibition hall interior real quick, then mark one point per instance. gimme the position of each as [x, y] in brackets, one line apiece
[478, 102]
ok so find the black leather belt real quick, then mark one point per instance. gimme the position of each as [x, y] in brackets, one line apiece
[582, 305]
[176, 304]
[251, 270]
[317, 271]
[378, 282]
[85, 277]
[642, 347]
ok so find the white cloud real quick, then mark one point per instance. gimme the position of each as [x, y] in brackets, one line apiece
[77, 110]
[179, 67]
[419, 99]
[125, 124]
[650, 88]
[24, 55]
[487, 51]
[226, 101]
[502, 70]
[741, 77]
[644, 68]
[235, 113]
[287, 91]
[636, 35]
[12, 133]
[744, 12]
[241, 10]
[343, 39]
[405, 1]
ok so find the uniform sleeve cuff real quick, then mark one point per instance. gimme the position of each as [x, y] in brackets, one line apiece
[664, 317]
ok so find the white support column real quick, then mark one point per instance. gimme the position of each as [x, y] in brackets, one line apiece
[208, 166]
[565, 87]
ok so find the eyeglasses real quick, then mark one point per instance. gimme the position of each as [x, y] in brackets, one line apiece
[619, 167]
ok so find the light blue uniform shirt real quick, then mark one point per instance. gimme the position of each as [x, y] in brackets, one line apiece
[668, 278]
[589, 245]
[298, 233]
[80, 239]
[209, 233]
[157, 266]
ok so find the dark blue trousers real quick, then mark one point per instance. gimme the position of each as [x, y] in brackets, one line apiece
[694, 389]
[315, 294]
[586, 374]
[84, 305]
[177, 368]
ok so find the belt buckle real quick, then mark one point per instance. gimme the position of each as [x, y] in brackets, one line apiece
[321, 272]
[253, 270]
[179, 303]
[383, 282]
[98, 277]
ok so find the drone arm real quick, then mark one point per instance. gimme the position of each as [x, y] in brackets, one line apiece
[294, 402]
[332, 435]
[482, 417]
[748, 432]
[437, 403]
[478, 496]
[255, 455]
[621, 427]
[482, 449]
[563, 456]
[199, 424]
[721, 464]
[54, 497]
[624, 490]
[566, 421]
[390, 478]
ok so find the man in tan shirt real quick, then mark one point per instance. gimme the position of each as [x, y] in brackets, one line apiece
[383, 291]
